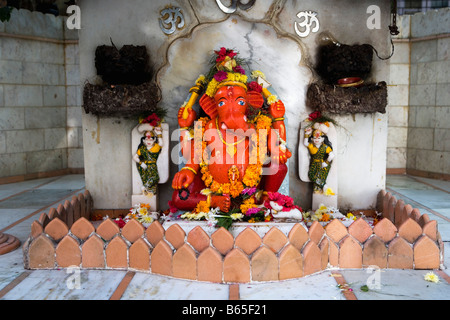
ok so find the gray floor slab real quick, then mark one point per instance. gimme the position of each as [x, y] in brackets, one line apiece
[35, 199]
[145, 286]
[67, 285]
[395, 285]
[321, 286]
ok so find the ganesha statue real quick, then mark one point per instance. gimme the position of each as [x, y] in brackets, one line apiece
[235, 155]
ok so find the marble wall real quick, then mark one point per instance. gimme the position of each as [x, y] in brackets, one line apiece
[266, 35]
[40, 97]
[418, 134]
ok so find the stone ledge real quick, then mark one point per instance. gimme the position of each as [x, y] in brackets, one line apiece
[247, 253]
[121, 100]
[333, 99]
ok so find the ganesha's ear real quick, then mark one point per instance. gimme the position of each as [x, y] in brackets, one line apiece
[255, 99]
[208, 105]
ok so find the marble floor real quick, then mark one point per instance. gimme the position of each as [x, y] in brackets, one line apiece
[21, 203]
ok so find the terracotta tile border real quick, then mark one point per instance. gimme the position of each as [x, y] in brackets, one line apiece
[420, 205]
[443, 275]
[234, 292]
[247, 256]
[349, 295]
[123, 285]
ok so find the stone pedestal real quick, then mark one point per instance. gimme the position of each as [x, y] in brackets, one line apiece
[162, 163]
[332, 180]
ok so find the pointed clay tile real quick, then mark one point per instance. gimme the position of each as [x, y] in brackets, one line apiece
[82, 202]
[426, 254]
[385, 229]
[333, 258]
[291, 263]
[410, 230]
[380, 198]
[52, 214]
[107, 229]
[116, 253]
[248, 240]
[236, 266]
[360, 230]
[264, 265]
[324, 247]
[312, 258]
[41, 253]
[36, 229]
[391, 207]
[423, 219]
[350, 253]
[154, 233]
[398, 212]
[274, 239]
[161, 259]
[69, 211]
[140, 255]
[68, 253]
[43, 219]
[133, 230]
[430, 229]
[92, 253]
[408, 209]
[62, 213]
[198, 239]
[210, 266]
[316, 232]
[386, 199]
[82, 228]
[76, 208]
[56, 229]
[415, 214]
[175, 235]
[222, 240]
[298, 236]
[375, 253]
[335, 230]
[400, 254]
[89, 203]
[406, 213]
[184, 263]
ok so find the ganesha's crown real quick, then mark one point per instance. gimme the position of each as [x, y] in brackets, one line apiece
[226, 71]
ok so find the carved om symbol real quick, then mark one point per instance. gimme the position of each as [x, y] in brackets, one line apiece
[309, 18]
[171, 19]
[234, 5]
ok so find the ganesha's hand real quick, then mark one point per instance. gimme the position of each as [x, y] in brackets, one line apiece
[182, 179]
[191, 116]
[223, 202]
[283, 156]
[308, 132]
[277, 109]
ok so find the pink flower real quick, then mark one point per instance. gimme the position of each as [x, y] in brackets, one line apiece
[152, 119]
[173, 209]
[252, 211]
[223, 53]
[239, 69]
[220, 76]
[254, 86]
[249, 191]
[315, 115]
[120, 222]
